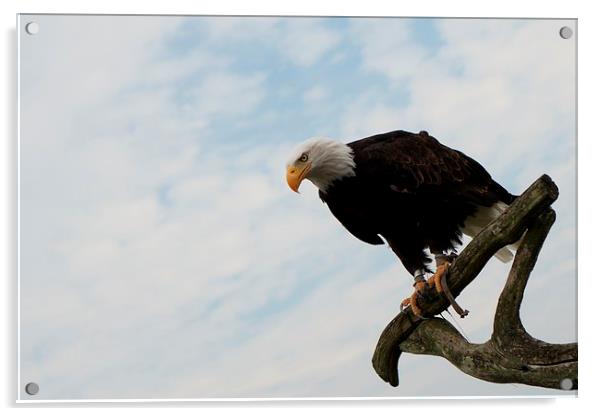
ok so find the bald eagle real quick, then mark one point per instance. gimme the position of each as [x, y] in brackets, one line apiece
[406, 189]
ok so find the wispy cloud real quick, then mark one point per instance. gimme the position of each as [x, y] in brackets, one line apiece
[305, 41]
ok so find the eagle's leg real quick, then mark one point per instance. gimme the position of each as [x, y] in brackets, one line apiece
[420, 284]
[442, 262]
[438, 280]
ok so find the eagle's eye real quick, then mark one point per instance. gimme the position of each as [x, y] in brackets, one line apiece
[303, 158]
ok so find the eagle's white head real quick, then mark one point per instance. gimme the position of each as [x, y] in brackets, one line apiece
[321, 161]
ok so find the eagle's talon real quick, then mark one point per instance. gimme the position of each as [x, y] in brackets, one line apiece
[421, 287]
[410, 303]
[414, 305]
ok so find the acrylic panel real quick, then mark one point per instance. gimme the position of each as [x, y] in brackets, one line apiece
[162, 254]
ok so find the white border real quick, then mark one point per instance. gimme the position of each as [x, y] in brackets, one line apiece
[294, 399]
[22, 397]
[18, 208]
[589, 150]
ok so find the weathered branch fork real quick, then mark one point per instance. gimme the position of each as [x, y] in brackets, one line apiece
[511, 355]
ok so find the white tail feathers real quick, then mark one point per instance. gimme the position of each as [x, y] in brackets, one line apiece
[504, 255]
[484, 215]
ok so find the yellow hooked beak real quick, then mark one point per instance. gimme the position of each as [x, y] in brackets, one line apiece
[295, 175]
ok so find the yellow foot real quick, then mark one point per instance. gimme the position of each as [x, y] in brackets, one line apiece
[412, 300]
[435, 280]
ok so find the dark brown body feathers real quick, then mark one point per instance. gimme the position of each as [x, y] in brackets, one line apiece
[412, 191]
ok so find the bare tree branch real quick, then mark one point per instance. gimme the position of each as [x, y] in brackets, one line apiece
[512, 355]
[507, 320]
[437, 337]
[509, 334]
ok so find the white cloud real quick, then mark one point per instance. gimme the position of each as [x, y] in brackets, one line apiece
[306, 41]
[303, 41]
[315, 94]
[387, 47]
[367, 116]
[225, 93]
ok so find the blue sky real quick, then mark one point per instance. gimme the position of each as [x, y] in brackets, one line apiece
[163, 256]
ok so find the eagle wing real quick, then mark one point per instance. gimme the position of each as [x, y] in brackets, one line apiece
[418, 164]
[355, 218]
